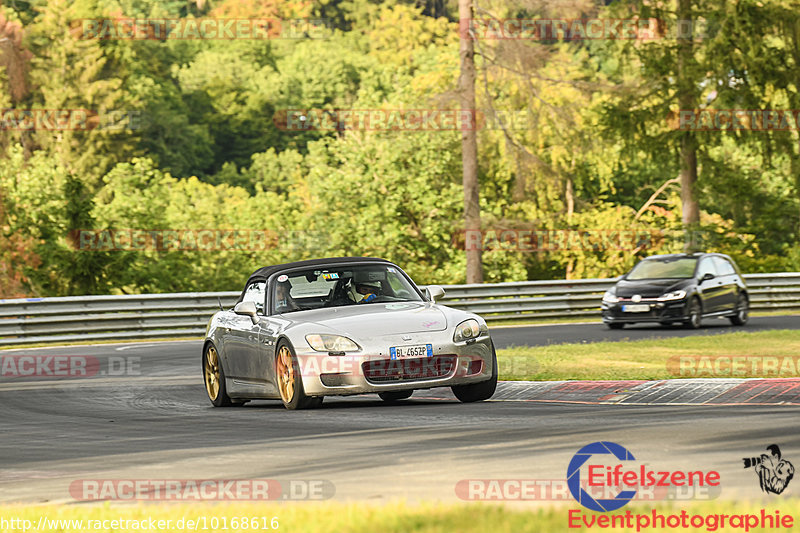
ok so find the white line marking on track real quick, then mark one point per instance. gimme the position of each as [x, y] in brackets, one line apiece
[123, 348]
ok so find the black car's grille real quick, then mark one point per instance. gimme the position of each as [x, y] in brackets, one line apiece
[413, 369]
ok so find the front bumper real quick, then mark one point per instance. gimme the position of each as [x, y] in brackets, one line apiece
[674, 311]
[371, 370]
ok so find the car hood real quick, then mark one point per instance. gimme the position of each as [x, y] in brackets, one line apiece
[376, 319]
[649, 288]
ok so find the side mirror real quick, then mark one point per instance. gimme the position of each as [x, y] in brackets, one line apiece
[707, 276]
[247, 309]
[434, 292]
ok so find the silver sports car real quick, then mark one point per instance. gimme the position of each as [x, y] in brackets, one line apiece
[349, 325]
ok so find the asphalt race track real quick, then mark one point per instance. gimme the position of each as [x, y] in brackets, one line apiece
[154, 422]
[596, 332]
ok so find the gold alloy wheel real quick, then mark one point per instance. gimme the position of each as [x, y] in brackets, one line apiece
[211, 371]
[285, 372]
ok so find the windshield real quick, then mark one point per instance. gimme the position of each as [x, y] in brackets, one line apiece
[681, 268]
[335, 287]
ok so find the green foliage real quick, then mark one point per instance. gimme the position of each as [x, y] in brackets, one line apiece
[591, 142]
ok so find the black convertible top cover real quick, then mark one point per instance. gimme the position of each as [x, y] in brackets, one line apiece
[265, 272]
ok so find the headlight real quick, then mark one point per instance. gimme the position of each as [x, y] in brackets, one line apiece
[331, 343]
[610, 298]
[674, 295]
[469, 329]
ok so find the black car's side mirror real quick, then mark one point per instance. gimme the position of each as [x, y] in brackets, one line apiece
[707, 276]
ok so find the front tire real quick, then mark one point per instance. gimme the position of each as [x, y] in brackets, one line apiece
[742, 311]
[214, 378]
[290, 381]
[395, 396]
[478, 392]
[615, 325]
[695, 314]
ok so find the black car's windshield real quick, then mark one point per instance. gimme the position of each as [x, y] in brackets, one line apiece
[334, 287]
[681, 268]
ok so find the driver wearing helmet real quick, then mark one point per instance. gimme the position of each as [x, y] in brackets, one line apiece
[283, 297]
[369, 292]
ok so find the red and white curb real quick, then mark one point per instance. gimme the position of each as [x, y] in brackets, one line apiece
[636, 392]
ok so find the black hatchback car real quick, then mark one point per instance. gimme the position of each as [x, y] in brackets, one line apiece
[678, 288]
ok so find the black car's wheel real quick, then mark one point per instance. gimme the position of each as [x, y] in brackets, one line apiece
[394, 396]
[214, 378]
[615, 325]
[695, 314]
[742, 311]
[289, 380]
[477, 392]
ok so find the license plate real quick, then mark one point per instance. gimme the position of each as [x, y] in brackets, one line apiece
[635, 308]
[404, 352]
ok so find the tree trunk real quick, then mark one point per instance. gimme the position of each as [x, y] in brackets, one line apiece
[469, 143]
[569, 193]
[686, 100]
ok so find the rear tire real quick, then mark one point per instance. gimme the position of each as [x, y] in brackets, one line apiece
[695, 314]
[290, 381]
[615, 325]
[742, 311]
[478, 392]
[395, 396]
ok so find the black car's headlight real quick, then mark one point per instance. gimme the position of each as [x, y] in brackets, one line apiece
[331, 343]
[674, 295]
[610, 298]
[468, 329]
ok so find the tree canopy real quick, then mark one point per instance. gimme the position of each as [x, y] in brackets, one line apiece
[575, 138]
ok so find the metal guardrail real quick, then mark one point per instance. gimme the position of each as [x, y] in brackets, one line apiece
[146, 316]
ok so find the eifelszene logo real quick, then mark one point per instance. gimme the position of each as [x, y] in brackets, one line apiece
[593, 458]
[774, 473]
[574, 476]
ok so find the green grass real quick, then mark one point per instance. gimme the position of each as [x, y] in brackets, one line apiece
[640, 359]
[365, 518]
